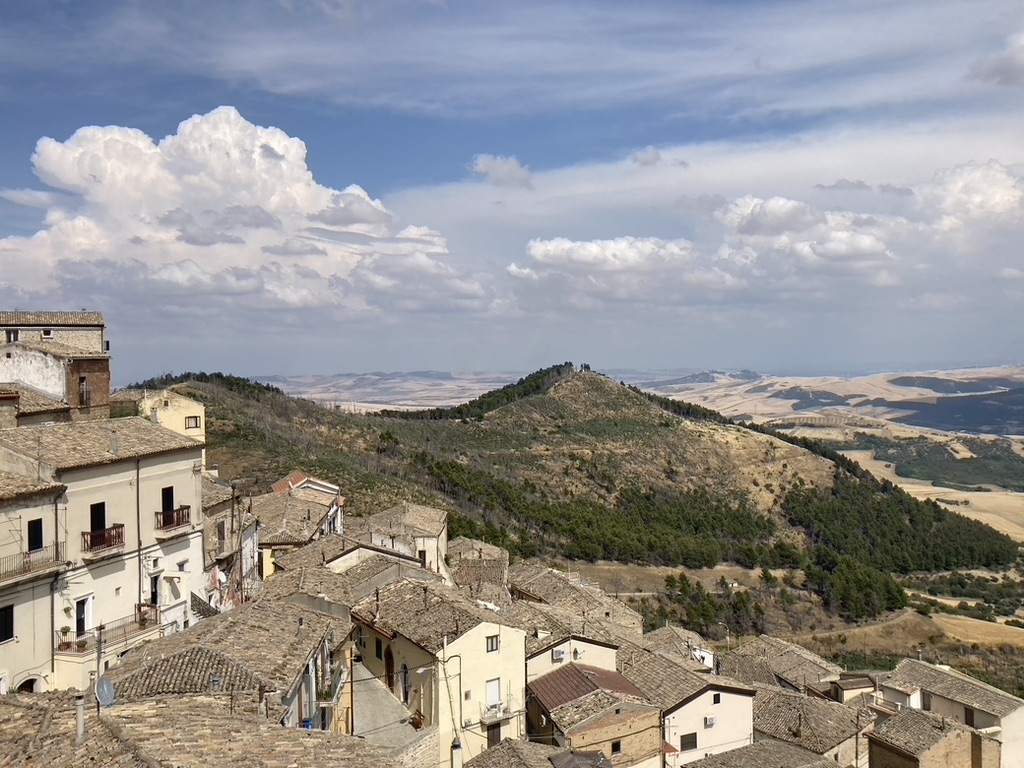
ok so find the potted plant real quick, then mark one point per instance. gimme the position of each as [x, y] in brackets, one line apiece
[65, 644]
[81, 645]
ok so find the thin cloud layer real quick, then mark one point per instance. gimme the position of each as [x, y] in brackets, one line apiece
[222, 211]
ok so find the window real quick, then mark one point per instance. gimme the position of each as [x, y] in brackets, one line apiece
[83, 390]
[167, 499]
[616, 747]
[6, 623]
[687, 742]
[492, 643]
[968, 717]
[183, 566]
[12, 335]
[926, 701]
[191, 422]
[47, 333]
[467, 696]
[98, 516]
[717, 698]
[379, 648]
[35, 535]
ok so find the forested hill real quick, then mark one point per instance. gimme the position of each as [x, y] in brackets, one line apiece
[536, 383]
[571, 463]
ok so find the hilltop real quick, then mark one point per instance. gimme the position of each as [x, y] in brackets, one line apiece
[571, 463]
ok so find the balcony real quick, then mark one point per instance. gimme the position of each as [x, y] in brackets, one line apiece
[173, 522]
[39, 562]
[145, 619]
[495, 713]
[104, 543]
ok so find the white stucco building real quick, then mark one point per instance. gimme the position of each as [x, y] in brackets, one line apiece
[131, 523]
[450, 662]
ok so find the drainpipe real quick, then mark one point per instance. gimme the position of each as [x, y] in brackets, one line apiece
[53, 587]
[138, 524]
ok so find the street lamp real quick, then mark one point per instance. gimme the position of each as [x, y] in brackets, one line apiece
[728, 637]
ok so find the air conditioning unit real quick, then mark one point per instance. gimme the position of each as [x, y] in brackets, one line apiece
[709, 721]
[558, 654]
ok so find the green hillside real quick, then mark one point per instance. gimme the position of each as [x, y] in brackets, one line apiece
[574, 464]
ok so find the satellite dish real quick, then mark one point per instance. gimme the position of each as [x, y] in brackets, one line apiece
[105, 691]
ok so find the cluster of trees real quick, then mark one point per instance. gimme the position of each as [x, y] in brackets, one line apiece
[237, 384]
[1000, 596]
[890, 530]
[679, 408]
[687, 603]
[691, 528]
[535, 384]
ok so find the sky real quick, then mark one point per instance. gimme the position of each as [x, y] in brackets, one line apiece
[321, 186]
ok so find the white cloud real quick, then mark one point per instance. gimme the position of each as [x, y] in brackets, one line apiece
[223, 211]
[1006, 67]
[502, 171]
[647, 156]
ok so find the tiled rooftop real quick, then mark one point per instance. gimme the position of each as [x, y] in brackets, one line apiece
[673, 640]
[31, 400]
[424, 613]
[664, 681]
[912, 675]
[19, 317]
[317, 553]
[92, 443]
[57, 349]
[264, 639]
[751, 670]
[546, 625]
[790, 662]
[765, 754]
[914, 731]
[572, 713]
[573, 681]
[13, 487]
[474, 549]
[38, 730]
[409, 519]
[555, 588]
[347, 587]
[807, 721]
[285, 519]
[516, 754]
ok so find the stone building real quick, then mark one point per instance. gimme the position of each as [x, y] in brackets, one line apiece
[62, 356]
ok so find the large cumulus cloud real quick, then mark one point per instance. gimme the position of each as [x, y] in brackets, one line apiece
[222, 211]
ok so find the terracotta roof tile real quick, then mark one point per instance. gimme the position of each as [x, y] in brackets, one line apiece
[14, 487]
[807, 721]
[762, 754]
[574, 681]
[424, 613]
[791, 663]
[914, 731]
[92, 443]
[19, 317]
[912, 675]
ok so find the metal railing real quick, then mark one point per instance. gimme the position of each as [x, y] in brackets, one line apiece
[22, 563]
[502, 710]
[145, 619]
[94, 541]
[174, 518]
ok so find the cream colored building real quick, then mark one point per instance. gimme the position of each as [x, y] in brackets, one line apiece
[168, 409]
[451, 663]
[32, 557]
[945, 692]
[132, 521]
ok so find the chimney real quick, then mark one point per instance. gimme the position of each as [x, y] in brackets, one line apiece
[80, 717]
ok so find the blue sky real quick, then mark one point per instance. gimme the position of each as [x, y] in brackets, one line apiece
[312, 186]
